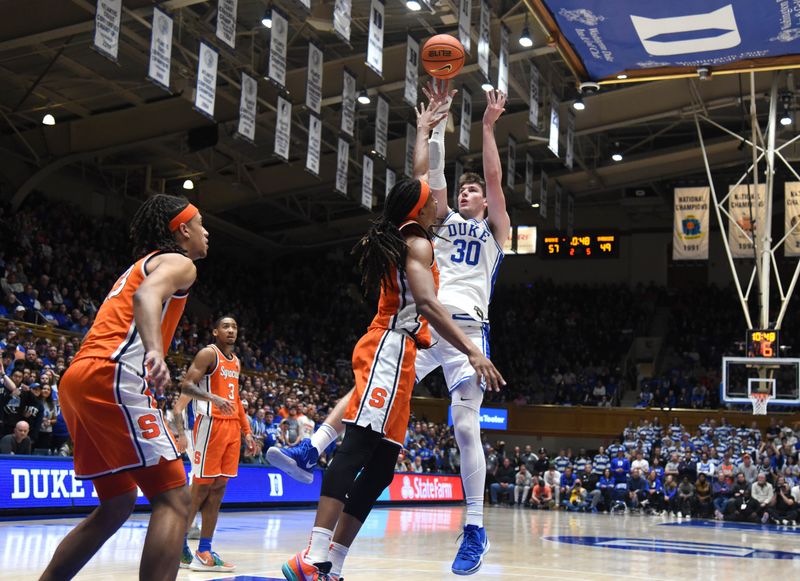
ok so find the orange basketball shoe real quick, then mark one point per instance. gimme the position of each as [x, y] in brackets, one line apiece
[296, 569]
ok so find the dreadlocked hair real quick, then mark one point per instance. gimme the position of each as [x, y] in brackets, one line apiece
[383, 247]
[149, 229]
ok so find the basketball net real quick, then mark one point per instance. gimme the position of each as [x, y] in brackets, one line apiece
[760, 402]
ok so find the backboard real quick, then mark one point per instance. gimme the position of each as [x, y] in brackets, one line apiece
[779, 377]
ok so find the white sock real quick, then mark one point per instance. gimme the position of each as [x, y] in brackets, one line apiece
[318, 545]
[336, 556]
[323, 437]
[466, 425]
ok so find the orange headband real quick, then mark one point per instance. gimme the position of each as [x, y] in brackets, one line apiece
[425, 192]
[183, 216]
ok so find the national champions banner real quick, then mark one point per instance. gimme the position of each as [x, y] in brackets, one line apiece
[690, 225]
[792, 219]
[629, 35]
[746, 209]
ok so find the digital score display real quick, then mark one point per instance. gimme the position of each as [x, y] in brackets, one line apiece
[763, 343]
[581, 245]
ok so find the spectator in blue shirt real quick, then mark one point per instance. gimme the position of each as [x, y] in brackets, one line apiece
[637, 488]
[620, 466]
[721, 492]
[655, 493]
[606, 486]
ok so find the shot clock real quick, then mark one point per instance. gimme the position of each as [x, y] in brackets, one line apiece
[581, 245]
[763, 343]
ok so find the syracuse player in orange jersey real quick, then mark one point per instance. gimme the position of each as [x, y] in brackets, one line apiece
[396, 256]
[216, 439]
[121, 438]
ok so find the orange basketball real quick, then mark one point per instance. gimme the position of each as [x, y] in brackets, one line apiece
[443, 56]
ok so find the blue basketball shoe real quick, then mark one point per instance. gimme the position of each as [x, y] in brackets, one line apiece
[474, 545]
[298, 461]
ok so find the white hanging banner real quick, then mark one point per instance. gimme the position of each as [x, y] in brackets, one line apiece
[543, 196]
[570, 214]
[466, 119]
[381, 126]
[533, 97]
[792, 219]
[412, 71]
[279, 34]
[366, 182]
[569, 155]
[484, 38]
[502, 60]
[511, 162]
[348, 103]
[206, 91]
[342, 10]
[342, 158]
[557, 206]
[528, 178]
[552, 144]
[305, 4]
[226, 22]
[457, 173]
[375, 42]
[411, 138]
[283, 128]
[247, 108]
[391, 180]
[743, 211]
[690, 224]
[314, 144]
[314, 78]
[465, 24]
[106, 27]
[160, 49]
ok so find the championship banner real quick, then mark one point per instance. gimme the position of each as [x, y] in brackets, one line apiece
[366, 183]
[570, 214]
[458, 171]
[375, 38]
[464, 24]
[342, 15]
[314, 78]
[277, 48]
[690, 225]
[247, 108]
[502, 61]
[106, 28]
[792, 219]
[533, 97]
[391, 180]
[206, 91]
[743, 211]
[314, 144]
[543, 197]
[283, 128]
[348, 103]
[412, 71]
[569, 156]
[466, 118]
[552, 144]
[511, 162]
[557, 206]
[528, 178]
[226, 22]
[305, 4]
[484, 38]
[160, 49]
[381, 126]
[342, 159]
[411, 138]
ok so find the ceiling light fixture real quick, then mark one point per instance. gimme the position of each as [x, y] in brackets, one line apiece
[525, 39]
[48, 120]
[266, 20]
[578, 104]
[487, 86]
[413, 5]
[363, 97]
[188, 184]
[616, 153]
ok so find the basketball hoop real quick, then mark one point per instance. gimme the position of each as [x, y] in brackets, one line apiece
[760, 401]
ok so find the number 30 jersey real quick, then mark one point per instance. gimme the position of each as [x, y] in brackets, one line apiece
[222, 381]
[468, 257]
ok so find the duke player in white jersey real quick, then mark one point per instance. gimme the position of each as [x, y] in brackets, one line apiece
[468, 253]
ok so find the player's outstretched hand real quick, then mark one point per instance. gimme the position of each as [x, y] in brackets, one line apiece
[487, 371]
[438, 91]
[223, 405]
[157, 370]
[427, 116]
[495, 106]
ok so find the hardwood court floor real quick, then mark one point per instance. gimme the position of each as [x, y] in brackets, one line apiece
[419, 544]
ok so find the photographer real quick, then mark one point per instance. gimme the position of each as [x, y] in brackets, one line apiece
[542, 495]
[784, 510]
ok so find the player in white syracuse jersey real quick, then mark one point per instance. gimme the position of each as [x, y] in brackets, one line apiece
[468, 253]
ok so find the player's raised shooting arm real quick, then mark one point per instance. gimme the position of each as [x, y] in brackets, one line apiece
[499, 221]
[439, 94]
[427, 118]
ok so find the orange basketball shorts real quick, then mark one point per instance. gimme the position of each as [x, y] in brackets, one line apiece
[217, 442]
[113, 421]
[383, 364]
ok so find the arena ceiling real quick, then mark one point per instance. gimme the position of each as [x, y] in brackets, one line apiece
[116, 126]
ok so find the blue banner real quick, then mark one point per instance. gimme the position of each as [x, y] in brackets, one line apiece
[629, 35]
[491, 418]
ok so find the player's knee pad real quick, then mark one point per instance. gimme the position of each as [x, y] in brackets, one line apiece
[354, 453]
[375, 477]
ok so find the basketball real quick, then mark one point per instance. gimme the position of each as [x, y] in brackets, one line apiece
[443, 56]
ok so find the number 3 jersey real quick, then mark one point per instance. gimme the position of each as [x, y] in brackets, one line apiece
[222, 381]
[468, 257]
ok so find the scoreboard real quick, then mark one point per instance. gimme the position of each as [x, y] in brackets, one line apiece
[581, 245]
